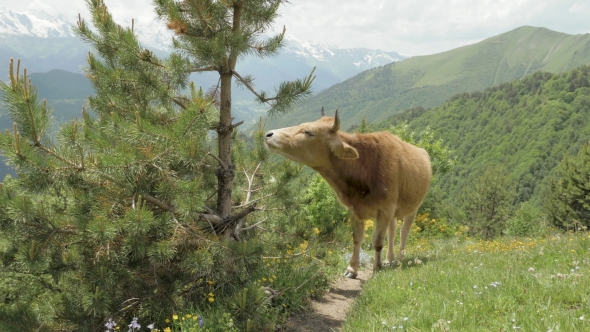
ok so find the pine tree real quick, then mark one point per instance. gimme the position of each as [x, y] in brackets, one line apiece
[568, 201]
[487, 202]
[110, 217]
[216, 34]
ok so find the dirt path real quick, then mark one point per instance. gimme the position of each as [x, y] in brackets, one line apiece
[328, 313]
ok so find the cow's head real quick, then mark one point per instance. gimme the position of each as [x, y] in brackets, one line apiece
[311, 143]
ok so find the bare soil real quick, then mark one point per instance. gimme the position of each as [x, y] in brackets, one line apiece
[329, 312]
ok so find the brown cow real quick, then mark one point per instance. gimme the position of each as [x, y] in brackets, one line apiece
[377, 176]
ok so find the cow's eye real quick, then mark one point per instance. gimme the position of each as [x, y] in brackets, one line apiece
[308, 133]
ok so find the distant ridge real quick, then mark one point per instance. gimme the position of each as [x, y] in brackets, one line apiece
[428, 81]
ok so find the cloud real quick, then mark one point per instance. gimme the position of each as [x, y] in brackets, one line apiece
[409, 27]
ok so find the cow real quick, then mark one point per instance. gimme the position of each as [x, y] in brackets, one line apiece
[375, 175]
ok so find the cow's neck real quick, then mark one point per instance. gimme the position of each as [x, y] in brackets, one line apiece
[350, 186]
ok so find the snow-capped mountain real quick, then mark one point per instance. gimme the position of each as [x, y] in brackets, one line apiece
[361, 58]
[33, 24]
[155, 35]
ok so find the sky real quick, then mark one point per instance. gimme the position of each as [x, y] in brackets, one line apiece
[416, 27]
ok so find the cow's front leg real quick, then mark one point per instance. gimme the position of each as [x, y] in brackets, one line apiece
[358, 233]
[381, 227]
[378, 238]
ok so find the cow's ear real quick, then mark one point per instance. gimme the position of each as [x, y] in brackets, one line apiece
[343, 150]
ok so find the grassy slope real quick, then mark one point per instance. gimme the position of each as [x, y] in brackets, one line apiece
[430, 80]
[484, 286]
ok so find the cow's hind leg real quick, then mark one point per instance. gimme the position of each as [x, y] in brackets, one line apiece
[391, 239]
[406, 226]
[357, 235]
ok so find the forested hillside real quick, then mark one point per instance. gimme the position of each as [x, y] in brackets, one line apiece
[428, 81]
[526, 126]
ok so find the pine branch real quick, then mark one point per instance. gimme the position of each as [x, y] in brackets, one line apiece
[203, 69]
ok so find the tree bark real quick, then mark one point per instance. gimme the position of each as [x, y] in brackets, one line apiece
[226, 171]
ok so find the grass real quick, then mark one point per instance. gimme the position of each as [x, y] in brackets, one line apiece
[461, 285]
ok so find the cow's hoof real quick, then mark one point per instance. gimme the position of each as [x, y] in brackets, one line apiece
[350, 275]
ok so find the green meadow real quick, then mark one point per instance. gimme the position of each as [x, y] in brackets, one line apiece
[460, 284]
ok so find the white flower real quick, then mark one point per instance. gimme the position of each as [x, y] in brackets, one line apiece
[531, 269]
[581, 317]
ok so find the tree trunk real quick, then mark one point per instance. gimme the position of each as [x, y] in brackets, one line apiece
[226, 171]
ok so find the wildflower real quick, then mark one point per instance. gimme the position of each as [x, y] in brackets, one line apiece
[210, 282]
[110, 324]
[167, 320]
[211, 299]
[210, 295]
[581, 317]
[316, 230]
[495, 284]
[134, 325]
[174, 317]
[151, 326]
[531, 269]
[167, 329]
[188, 316]
[559, 276]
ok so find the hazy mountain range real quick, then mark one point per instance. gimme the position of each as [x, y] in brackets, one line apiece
[48, 48]
[428, 81]
[44, 42]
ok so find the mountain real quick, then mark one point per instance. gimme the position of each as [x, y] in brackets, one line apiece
[428, 81]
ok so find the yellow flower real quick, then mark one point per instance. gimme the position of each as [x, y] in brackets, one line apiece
[316, 230]
[167, 329]
[175, 317]
[188, 316]
[211, 299]
[167, 320]
[304, 245]
[117, 328]
[211, 294]
[210, 282]
[195, 317]
[263, 279]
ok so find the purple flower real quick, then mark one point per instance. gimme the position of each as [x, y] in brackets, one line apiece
[201, 322]
[110, 324]
[134, 325]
